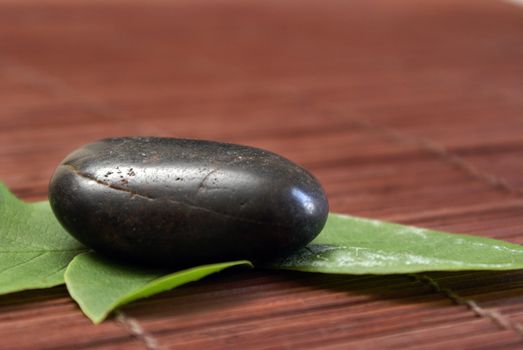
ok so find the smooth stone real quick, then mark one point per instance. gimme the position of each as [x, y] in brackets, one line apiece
[177, 201]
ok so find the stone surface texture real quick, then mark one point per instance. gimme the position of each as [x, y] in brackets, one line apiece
[180, 201]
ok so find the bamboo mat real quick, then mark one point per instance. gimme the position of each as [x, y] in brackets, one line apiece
[405, 110]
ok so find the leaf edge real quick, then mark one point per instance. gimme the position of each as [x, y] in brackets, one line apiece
[133, 296]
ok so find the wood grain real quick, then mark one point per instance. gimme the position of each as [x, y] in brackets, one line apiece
[405, 110]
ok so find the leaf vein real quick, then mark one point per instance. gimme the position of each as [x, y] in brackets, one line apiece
[23, 263]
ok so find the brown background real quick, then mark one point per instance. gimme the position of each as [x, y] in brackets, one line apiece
[409, 111]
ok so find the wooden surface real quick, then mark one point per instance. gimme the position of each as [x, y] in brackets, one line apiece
[405, 110]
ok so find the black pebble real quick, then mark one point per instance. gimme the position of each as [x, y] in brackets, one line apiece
[178, 202]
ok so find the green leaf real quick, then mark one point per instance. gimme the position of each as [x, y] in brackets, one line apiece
[34, 251]
[34, 248]
[351, 245]
[100, 286]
